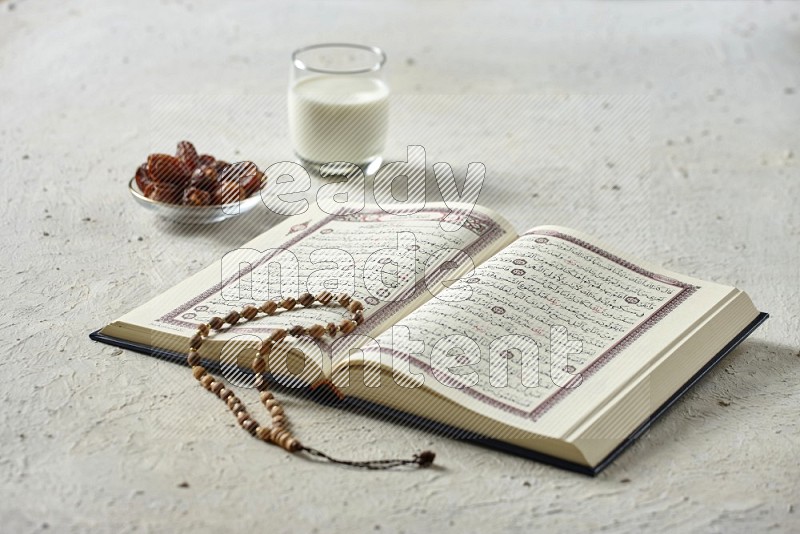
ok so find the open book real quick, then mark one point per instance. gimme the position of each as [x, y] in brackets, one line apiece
[548, 343]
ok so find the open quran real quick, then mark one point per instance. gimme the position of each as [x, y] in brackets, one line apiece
[546, 343]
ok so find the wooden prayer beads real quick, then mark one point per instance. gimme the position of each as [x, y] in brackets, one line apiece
[278, 433]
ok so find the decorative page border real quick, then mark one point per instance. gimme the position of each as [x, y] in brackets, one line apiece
[686, 290]
[486, 231]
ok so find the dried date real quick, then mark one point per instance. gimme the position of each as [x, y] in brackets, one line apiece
[229, 191]
[163, 192]
[187, 154]
[204, 178]
[205, 159]
[196, 180]
[193, 196]
[142, 177]
[166, 169]
[246, 174]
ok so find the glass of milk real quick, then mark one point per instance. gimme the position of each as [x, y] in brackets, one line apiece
[339, 106]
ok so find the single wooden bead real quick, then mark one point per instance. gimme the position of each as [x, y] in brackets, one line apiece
[265, 348]
[316, 331]
[269, 307]
[250, 426]
[276, 434]
[279, 420]
[203, 329]
[358, 317]
[325, 297]
[195, 341]
[290, 444]
[263, 433]
[355, 306]
[206, 381]
[232, 318]
[278, 335]
[347, 326]
[249, 312]
[288, 303]
[198, 371]
[331, 329]
[216, 387]
[297, 331]
[306, 299]
[193, 358]
[276, 411]
[270, 403]
[216, 323]
[237, 406]
[259, 365]
[266, 395]
[343, 299]
[225, 394]
[260, 383]
[232, 400]
[242, 416]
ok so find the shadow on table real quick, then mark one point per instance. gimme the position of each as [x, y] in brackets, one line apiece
[747, 372]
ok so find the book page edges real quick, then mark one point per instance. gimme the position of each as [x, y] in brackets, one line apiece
[617, 417]
[425, 403]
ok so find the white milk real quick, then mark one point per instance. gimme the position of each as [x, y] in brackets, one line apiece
[338, 118]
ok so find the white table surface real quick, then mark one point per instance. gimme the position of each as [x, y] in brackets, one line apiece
[694, 109]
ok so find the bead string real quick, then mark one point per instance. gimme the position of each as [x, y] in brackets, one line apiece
[279, 433]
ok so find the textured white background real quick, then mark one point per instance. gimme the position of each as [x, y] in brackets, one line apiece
[97, 438]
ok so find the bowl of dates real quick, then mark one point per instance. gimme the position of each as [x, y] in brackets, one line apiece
[196, 188]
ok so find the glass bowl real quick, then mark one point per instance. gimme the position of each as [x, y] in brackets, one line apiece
[195, 214]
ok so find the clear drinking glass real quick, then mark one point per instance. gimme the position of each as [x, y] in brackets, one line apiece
[339, 105]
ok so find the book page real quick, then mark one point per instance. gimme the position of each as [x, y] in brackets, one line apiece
[391, 263]
[538, 322]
